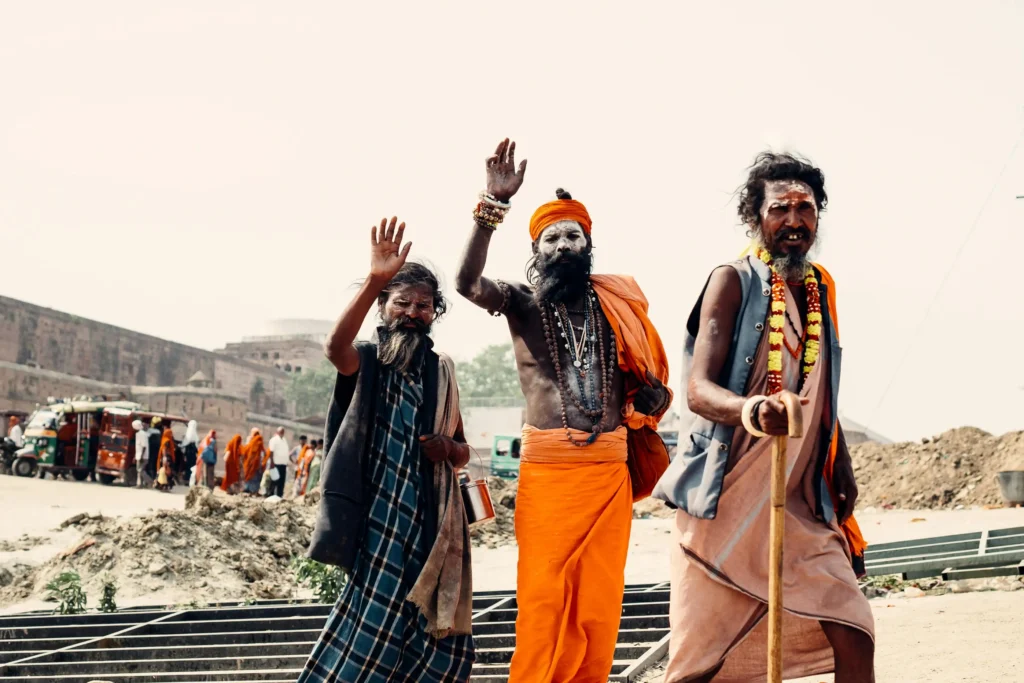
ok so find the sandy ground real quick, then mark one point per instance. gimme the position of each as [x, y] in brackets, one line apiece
[938, 639]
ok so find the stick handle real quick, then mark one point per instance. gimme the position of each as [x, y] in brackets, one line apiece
[777, 531]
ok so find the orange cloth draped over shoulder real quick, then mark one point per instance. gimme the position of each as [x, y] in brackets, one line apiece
[254, 456]
[640, 351]
[850, 527]
[166, 455]
[572, 520]
[232, 462]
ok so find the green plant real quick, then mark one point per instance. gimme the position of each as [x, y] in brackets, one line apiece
[66, 589]
[325, 580]
[107, 602]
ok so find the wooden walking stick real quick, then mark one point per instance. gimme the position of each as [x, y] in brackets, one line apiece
[778, 523]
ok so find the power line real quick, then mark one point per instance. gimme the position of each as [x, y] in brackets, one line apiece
[945, 277]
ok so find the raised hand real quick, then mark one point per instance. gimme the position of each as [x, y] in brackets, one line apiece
[502, 179]
[387, 255]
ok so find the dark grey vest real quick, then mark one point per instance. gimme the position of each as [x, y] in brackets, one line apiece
[348, 435]
[693, 481]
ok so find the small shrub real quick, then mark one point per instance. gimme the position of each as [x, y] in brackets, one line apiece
[66, 590]
[325, 580]
[107, 602]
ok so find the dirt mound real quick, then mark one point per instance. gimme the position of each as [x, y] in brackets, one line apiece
[956, 468]
[219, 547]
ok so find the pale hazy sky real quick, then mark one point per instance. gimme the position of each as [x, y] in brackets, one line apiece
[223, 161]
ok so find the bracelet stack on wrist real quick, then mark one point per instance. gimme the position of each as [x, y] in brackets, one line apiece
[489, 212]
[749, 415]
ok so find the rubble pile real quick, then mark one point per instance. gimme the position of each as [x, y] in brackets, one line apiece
[218, 548]
[955, 469]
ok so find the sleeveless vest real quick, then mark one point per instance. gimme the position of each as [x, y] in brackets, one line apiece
[693, 480]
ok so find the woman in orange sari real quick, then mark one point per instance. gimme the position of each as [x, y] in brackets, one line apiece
[232, 463]
[254, 455]
[165, 461]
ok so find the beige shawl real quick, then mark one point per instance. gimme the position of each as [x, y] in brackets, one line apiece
[444, 589]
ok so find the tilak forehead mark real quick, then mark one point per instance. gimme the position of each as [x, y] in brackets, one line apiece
[775, 192]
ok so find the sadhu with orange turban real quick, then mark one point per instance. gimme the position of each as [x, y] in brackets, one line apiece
[594, 373]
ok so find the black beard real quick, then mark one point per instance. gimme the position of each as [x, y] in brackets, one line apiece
[400, 343]
[562, 278]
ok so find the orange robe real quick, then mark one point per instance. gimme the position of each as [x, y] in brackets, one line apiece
[232, 462]
[166, 455]
[573, 515]
[572, 559]
[254, 458]
[302, 470]
[850, 527]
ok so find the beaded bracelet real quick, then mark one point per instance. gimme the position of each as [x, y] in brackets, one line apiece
[503, 308]
[488, 216]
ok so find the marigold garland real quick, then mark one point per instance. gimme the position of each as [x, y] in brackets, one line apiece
[777, 323]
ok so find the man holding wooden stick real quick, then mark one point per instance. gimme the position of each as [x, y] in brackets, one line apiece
[763, 327]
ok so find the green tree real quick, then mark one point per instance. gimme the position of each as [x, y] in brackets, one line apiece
[311, 389]
[491, 373]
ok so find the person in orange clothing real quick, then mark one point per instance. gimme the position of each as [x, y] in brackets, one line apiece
[254, 460]
[232, 464]
[165, 461]
[302, 461]
[594, 372]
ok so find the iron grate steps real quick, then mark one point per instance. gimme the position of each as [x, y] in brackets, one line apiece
[268, 641]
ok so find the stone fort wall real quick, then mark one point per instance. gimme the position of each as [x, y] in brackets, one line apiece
[85, 349]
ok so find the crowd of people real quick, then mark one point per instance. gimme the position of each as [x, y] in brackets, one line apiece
[594, 374]
[249, 468]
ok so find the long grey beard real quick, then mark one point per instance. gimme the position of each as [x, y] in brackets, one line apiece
[399, 347]
[790, 267]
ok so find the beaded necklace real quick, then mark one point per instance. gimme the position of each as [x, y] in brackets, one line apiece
[777, 321]
[586, 353]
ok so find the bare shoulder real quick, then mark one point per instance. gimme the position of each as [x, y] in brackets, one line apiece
[520, 300]
[723, 286]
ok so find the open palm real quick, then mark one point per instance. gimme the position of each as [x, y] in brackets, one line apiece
[502, 179]
[387, 255]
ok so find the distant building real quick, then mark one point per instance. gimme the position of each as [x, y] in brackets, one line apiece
[46, 354]
[291, 345]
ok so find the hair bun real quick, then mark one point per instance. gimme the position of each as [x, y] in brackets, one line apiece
[562, 194]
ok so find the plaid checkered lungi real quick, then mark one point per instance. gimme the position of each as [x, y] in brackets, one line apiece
[373, 634]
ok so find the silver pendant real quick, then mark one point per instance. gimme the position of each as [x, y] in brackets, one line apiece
[576, 363]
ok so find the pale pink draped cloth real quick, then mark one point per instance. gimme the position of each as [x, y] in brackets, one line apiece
[720, 566]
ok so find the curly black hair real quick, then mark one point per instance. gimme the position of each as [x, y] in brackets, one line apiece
[772, 166]
[413, 273]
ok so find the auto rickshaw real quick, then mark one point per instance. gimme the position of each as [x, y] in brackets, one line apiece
[505, 457]
[63, 438]
[116, 461]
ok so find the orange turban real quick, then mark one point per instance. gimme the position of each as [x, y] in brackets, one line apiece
[558, 210]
